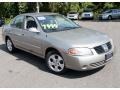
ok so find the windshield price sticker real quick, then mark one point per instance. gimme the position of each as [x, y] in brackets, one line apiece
[49, 26]
[41, 18]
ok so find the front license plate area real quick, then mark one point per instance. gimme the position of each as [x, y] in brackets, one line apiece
[108, 56]
[87, 15]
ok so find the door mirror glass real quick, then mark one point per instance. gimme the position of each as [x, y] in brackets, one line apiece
[35, 30]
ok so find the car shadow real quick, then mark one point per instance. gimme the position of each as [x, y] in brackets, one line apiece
[40, 64]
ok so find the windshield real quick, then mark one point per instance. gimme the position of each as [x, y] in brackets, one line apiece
[72, 12]
[108, 11]
[55, 23]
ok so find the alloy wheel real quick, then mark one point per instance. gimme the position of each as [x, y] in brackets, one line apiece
[9, 45]
[56, 63]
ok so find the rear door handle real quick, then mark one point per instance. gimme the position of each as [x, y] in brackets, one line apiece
[17, 34]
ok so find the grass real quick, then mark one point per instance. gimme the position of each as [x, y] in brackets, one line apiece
[7, 20]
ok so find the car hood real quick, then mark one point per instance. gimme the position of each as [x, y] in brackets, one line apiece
[87, 13]
[73, 14]
[81, 37]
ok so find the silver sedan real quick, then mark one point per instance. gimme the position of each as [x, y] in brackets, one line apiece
[110, 14]
[61, 42]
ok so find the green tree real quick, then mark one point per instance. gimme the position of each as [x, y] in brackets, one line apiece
[11, 9]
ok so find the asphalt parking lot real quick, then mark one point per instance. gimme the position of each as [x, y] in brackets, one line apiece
[25, 70]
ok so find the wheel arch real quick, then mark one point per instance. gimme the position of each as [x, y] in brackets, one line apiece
[110, 16]
[6, 37]
[51, 49]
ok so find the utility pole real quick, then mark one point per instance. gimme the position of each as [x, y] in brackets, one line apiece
[37, 7]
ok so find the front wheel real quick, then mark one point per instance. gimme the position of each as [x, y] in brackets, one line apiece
[55, 62]
[109, 17]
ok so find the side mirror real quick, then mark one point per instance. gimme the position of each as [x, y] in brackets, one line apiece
[34, 30]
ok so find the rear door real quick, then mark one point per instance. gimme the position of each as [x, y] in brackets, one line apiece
[16, 30]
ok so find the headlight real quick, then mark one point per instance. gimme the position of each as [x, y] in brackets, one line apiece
[79, 51]
[76, 16]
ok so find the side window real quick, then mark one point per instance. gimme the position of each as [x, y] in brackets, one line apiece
[118, 11]
[18, 22]
[114, 11]
[30, 22]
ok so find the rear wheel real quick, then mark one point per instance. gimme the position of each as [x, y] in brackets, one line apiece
[55, 62]
[9, 45]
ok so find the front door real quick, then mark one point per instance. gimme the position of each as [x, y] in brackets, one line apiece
[32, 40]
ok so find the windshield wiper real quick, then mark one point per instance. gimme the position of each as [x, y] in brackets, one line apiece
[70, 28]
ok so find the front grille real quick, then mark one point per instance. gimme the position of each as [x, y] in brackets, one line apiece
[109, 45]
[71, 16]
[97, 64]
[100, 49]
[87, 14]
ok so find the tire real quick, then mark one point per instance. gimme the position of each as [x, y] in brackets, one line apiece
[55, 63]
[92, 18]
[9, 45]
[109, 17]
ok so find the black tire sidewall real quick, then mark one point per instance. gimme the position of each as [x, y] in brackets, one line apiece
[109, 17]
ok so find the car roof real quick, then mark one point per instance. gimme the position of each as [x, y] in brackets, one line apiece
[39, 14]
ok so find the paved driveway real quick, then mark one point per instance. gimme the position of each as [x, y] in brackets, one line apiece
[25, 70]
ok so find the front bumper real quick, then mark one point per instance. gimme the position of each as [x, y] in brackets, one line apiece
[83, 63]
[74, 17]
[103, 17]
